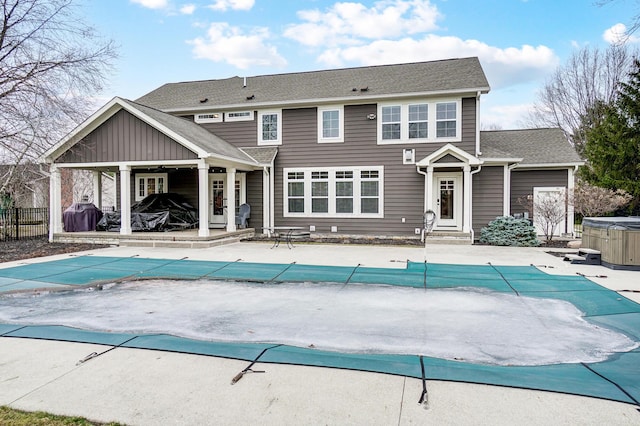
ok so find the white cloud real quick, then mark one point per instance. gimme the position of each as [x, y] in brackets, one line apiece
[617, 34]
[188, 9]
[344, 23]
[232, 4]
[503, 66]
[152, 4]
[225, 43]
[505, 116]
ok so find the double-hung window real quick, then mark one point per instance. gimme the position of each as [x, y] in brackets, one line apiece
[419, 122]
[295, 192]
[369, 191]
[333, 192]
[446, 121]
[320, 192]
[270, 127]
[331, 124]
[150, 183]
[344, 191]
[391, 122]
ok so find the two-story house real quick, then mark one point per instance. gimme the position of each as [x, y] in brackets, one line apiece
[362, 151]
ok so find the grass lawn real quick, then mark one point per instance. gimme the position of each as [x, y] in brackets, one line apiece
[9, 416]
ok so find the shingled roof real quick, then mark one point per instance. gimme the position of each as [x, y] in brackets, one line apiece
[446, 76]
[534, 146]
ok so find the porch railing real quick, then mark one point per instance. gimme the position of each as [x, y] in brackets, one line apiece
[23, 223]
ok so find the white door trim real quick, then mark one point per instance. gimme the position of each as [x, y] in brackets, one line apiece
[453, 181]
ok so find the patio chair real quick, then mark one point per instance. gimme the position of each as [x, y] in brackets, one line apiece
[243, 216]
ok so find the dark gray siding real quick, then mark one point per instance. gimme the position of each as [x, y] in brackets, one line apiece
[522, 183]
[254, 199]
[124, 137]
[468, 142]
[238, 133]
[488, 200]
[403, 186]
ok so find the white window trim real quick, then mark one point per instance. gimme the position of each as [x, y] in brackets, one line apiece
[216, 117]
[278, 141]
[431, 119]
[340, 137]
[138, 197]
[332, 192]
[248, 117]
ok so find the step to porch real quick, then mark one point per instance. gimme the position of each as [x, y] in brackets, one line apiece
[175, 239]
[448, 237]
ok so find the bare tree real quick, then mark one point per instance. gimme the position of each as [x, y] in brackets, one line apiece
[589, 200]
[52, 64]
[634, 23]
[568, 98]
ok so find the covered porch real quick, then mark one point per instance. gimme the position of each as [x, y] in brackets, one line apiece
[150, 152]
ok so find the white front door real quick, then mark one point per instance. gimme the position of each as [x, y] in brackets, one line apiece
[218, 208]
[447, 191]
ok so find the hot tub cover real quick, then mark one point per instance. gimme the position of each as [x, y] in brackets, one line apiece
[156, 212]
[620, 222]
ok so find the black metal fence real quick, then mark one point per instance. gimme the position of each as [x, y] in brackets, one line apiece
[23, 223]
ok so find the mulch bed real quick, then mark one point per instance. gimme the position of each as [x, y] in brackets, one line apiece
[28, 249]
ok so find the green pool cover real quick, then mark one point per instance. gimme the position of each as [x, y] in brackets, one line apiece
[616, 379]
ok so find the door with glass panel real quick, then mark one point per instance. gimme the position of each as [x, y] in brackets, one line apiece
[447, 194]
[218, 195]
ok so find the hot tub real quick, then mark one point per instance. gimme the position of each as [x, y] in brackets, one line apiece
[617, 238]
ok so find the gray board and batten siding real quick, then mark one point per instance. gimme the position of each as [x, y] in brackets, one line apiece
[124, 137]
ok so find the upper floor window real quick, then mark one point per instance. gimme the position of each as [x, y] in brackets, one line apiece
[391, 122]
[270, 128]
[150, 183]
[446, 120]
[419, 122]
[331, 124]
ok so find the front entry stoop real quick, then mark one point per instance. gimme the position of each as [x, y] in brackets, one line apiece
[448, 237]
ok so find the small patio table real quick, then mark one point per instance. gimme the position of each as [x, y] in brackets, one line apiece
[278, 233]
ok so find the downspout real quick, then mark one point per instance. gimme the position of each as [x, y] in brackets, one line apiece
[473, 238]
[267, 196]
[424, 209]
[478, 152]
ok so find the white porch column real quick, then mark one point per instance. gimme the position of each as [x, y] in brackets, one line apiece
[266, 198]
[571, 186]
[466, 193]
[506, 191]
[97, 189]
[428, 190]
[125, 199]
[203, 200]
[231, 199]
[55, 202]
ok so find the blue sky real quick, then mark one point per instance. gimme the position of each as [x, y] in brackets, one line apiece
[519, 42]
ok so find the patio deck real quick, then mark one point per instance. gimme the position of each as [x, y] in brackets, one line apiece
[174, 239]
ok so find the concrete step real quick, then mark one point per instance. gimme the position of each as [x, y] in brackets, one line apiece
[439, 237]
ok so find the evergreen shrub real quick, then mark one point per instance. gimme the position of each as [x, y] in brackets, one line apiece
[509, 231]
